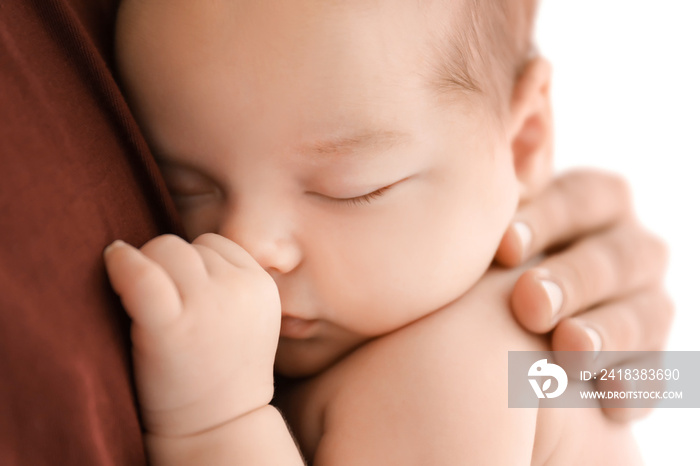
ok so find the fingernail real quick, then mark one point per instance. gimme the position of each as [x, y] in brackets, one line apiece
[115, 244]
[555, 295]
[524, 235]
[595, 339]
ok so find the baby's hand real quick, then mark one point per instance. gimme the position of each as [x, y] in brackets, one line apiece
[206, 321]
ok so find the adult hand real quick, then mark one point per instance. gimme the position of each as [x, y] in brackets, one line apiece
[600, 287]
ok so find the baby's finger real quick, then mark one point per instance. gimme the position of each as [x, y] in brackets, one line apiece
[230, 251]
[219, 266]
[639, 322]
[146, 291]
[180, 260]
[575, 204]
[597, 269]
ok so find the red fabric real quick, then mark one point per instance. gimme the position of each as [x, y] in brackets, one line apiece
[75, 174]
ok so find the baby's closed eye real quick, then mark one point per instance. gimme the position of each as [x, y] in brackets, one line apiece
[362, 199]
[188, 186]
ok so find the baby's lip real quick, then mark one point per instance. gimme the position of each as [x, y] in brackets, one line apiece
[297, 328]
[297, 315]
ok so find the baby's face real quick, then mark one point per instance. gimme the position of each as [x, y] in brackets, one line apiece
[308, 132]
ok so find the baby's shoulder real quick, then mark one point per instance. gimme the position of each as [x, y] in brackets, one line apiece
[435, 390]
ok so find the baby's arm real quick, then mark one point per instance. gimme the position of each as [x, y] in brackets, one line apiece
[205, 326]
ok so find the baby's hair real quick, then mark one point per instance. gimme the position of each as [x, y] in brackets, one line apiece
[486, 48]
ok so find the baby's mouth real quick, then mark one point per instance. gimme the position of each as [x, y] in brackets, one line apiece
[298, 328]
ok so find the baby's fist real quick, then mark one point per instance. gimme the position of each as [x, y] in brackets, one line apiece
[205, 327]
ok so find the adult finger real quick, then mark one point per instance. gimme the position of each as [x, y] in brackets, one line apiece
[625, 378]
[575, 204]
[599, 268]
[638, 322]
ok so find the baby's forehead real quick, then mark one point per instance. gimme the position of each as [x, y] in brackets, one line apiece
[396, 28]
[302, 14]
[321, 41]
[324, 31]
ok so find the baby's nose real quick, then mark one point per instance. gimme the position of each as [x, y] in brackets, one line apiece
[266, 236]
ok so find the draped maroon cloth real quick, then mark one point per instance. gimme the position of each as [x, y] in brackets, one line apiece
[75, 174]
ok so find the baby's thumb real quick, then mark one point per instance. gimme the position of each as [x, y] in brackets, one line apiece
[147, 292]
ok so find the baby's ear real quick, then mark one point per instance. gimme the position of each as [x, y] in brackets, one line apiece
[531, 127]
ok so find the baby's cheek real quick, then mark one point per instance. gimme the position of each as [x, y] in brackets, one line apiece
[463, 248]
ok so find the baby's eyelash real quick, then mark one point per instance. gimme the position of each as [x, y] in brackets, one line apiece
[366, 198]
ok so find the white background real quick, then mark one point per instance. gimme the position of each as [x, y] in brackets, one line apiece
[626, 98]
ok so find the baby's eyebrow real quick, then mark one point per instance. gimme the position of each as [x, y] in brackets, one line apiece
[375, 140]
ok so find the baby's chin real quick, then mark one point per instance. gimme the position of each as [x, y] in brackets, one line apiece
[311, 356]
